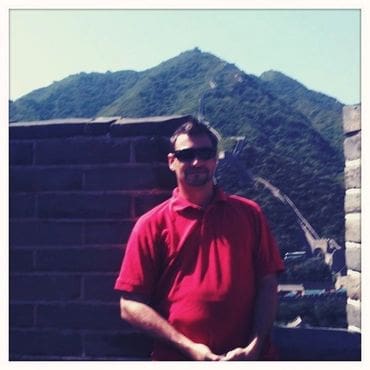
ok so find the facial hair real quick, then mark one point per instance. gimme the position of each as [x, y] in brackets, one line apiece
[197, 176]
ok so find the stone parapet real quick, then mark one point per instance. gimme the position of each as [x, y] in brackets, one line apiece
[76, 188]
[352, 175]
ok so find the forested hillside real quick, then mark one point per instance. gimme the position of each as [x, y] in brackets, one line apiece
[293, 136]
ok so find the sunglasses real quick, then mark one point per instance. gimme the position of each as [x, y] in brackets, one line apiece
[188, 155]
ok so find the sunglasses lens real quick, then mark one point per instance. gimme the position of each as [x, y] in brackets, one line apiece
[188, 155]
[206, 153]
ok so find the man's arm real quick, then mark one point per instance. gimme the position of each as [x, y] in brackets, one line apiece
[264, 316]
[142, 316]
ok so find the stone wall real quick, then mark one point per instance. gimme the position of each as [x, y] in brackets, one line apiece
[76, 188]
[352, 171]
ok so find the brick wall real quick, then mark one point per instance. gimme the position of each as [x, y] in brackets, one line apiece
[76, 188]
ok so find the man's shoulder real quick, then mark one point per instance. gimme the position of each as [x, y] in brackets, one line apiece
[155, 214]
[244, 203]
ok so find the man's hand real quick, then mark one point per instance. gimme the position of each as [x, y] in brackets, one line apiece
[200, 352]
[249, 353]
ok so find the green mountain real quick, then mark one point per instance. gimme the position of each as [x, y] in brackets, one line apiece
[293, 136]
[81, 95]
[324, 112]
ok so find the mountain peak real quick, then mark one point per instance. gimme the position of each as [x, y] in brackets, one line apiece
[277, 77]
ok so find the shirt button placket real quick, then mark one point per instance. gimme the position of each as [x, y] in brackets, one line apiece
[204, 218]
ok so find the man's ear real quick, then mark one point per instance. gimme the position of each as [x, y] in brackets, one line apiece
[171, 159]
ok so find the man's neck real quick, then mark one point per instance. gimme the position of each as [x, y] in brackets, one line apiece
[200, 196]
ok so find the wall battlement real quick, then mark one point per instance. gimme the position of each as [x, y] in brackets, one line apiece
[352, 174]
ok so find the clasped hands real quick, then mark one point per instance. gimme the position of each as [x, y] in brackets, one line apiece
[249, 353]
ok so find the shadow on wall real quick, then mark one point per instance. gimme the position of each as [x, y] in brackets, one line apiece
[317, 344]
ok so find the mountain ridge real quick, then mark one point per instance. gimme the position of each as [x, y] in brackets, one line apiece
[293, 134]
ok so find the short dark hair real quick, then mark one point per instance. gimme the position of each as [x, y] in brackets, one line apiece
[194, 127]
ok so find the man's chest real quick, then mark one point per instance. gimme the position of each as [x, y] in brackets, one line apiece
[207, 254]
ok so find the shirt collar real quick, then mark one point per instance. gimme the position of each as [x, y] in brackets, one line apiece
[179, 203]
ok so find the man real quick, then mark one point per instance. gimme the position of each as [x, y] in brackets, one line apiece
[199, 272]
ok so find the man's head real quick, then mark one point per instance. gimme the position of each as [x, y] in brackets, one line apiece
[193, 154]
[194, 127]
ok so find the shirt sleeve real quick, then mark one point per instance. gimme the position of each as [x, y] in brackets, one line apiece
[268, 259]
[140, 262]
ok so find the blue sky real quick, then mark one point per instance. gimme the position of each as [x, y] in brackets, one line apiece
[319, 48]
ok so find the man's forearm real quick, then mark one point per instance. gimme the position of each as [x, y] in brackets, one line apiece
[265, 309]
[145, 318]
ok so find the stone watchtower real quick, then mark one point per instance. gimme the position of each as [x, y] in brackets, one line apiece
[352, 171]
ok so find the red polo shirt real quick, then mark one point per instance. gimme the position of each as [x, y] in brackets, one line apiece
[198, 267]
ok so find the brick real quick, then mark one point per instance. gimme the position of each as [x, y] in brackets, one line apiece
[82, 150]
[24, 233]
[22, 205]
[144, 203]
[352, 283]
[131, 345]
[353, 227]
[44, 343]
[352, 201]
[352, 174]
[354, 313]
[107, 232]
[351, 118]
[20, 315]
[100, 287]
[33, 179]
[352, 147]
[36, 233]
[152, 149]
[79, 316]
[353, 256]
[20, 153]
[60, 233]
[83, 205]
[44, 287]
[79, 259]
[120, 178]
[20, 260]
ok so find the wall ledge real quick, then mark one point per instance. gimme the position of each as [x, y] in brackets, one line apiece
[115, 126]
